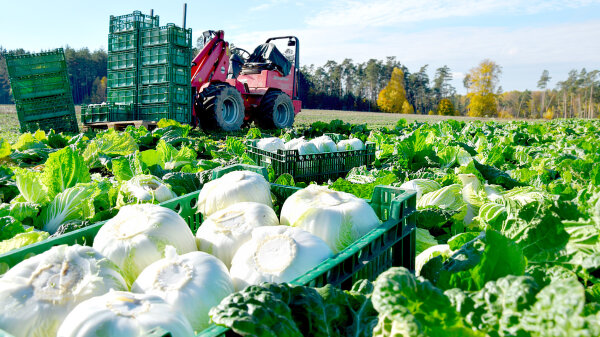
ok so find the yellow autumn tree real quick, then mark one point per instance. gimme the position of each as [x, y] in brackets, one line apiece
[482, 95]
[446, 108]
[549, 114]
[393, 96]
[407, 108]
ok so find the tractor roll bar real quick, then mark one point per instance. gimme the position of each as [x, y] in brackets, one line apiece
[296, 61]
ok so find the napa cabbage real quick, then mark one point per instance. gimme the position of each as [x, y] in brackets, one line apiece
[271, 144]
[37, 294]
[338, 218]
[448, 197]
[422, 186]
[324, 144]
[276, 254]
[222, 233]
[144, 188]
[303, 146]
[350, 145]
[191, 283]
[231, 188]
[121, 313]
[138, 234]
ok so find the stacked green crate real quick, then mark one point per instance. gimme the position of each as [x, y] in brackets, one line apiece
[122, 76]
[164, 73]
[42, 91]
[106, 112]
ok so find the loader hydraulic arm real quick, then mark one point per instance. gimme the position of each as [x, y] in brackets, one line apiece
[212, 63]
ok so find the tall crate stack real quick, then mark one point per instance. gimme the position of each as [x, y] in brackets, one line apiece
[42, 91]
[123, 64]
[164, 71]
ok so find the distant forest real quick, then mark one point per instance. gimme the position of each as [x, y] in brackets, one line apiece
[358, 86]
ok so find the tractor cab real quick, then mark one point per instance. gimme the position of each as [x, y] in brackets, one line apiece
[266, 57]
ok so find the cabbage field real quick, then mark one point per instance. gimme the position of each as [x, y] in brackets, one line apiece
[507, 241]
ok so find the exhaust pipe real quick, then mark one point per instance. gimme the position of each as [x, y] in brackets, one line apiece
[184, 14]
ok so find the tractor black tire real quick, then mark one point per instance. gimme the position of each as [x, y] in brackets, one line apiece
[276, 111]
[222, 107]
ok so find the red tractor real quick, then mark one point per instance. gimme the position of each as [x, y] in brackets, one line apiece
[232, 88]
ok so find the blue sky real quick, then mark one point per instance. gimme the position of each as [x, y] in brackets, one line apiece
[523, 36]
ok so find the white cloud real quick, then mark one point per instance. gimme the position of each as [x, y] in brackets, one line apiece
[371, 13]
[267, 5]
[261, 7]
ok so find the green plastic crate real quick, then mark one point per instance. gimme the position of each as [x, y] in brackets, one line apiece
[97, 113]
[122, 42]
[155, 112]
[123, 60]
[40, 86]
[46, 107]
[165, 93]
[121, 95]
[121, 78]
[50, 62]
[165, 55]
[64, 123]
[314, 167]
[165, 74]
[166, 35]
[133, 21]
[390, 244]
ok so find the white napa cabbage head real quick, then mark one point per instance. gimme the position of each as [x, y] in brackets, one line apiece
[37, 294]
[338, 218]
[353, 144]
[324, 144]
[222, 233]
[276, 254]
[271, 144]
[120, 313]
[231, 188]
[137, 236]
[191, 283]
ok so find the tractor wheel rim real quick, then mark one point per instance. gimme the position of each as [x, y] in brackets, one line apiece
[230, 111]
[281, 114]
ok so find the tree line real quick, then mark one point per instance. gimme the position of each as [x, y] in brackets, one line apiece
[384, 85]
[389, 86]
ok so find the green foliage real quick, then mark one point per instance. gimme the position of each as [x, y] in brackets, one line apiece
[411, 306]
[254, 133]
[9, 227]
[362, 183]
[283, 310]
[488, 257]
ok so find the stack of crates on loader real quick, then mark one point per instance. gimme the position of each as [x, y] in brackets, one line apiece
[164, 72]
[122, 74]
[42, 91]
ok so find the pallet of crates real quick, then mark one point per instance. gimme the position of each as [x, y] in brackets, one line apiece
[392, 243]
[164, 72]
[42, 91]
[106, 112]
